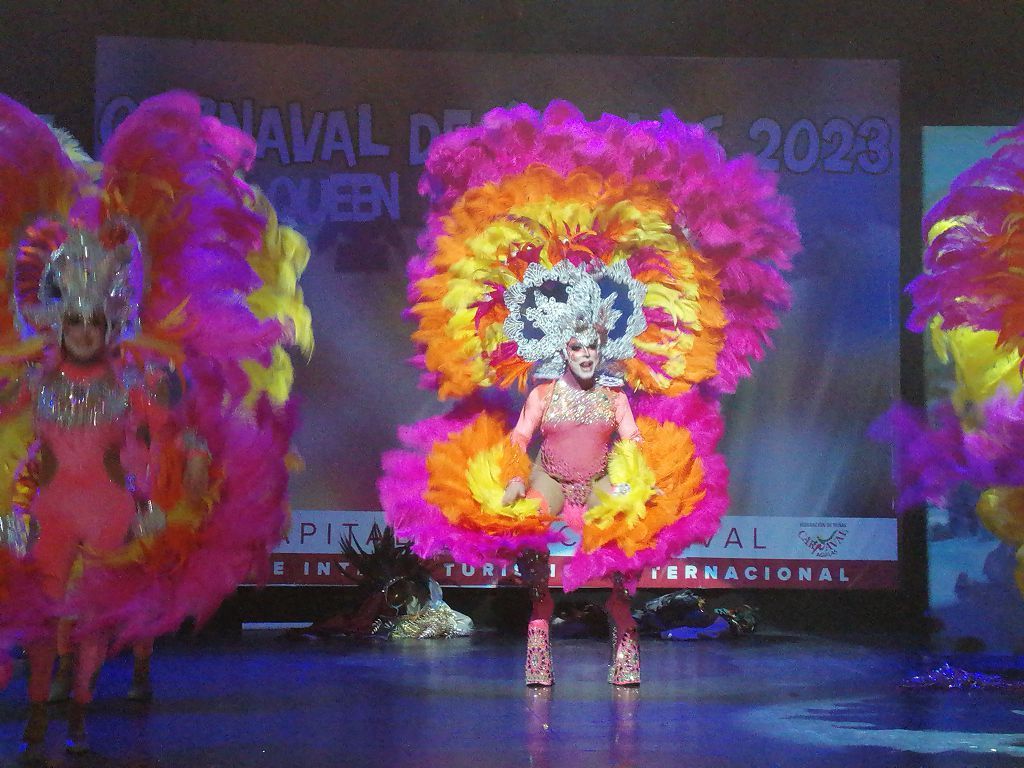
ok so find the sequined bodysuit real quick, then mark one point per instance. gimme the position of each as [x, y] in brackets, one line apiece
[576, 427]
[80, 415]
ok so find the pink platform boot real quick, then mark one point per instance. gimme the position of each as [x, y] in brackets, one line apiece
[625, 668]
[538, 654]
[625, 662]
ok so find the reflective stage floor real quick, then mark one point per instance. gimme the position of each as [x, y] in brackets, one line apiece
[761, 701]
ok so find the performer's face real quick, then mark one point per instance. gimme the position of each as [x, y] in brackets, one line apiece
[84, 337]
[582, 359]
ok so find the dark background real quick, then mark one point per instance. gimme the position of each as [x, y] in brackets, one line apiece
[962, 63]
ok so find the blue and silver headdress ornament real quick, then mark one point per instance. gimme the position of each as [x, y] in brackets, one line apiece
[598, 306]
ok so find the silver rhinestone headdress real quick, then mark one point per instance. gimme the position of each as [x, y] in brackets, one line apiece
[82, 276]
[599, 305]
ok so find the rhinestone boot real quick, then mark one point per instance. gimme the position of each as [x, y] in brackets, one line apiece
[625, 669]
[538, 654]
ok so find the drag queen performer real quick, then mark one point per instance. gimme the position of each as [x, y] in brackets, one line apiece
[970, 299]
[145, 421]
[577, 416]
[632, 271]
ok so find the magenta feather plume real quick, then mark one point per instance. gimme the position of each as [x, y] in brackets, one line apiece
[972, 258]
[403, 486]
[971, 278]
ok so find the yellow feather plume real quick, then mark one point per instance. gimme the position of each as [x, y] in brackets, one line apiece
[981, 365]
[279, 264]
[627, 468]
[484, 478]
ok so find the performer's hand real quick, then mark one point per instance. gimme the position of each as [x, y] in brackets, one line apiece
[514, 491]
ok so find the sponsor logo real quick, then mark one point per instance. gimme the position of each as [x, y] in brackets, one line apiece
[824, 546]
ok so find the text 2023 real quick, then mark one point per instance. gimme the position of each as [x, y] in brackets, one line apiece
[838, 146]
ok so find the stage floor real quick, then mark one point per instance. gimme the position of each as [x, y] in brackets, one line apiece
[766, 700]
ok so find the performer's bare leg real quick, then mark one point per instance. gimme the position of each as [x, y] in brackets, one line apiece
[549, 489]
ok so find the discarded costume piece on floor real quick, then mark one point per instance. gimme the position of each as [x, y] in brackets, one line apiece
[683, 615]
[394, 596]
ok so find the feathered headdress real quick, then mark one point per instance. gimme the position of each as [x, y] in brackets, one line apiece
[644, 229]
[61, 271]
[550, 306]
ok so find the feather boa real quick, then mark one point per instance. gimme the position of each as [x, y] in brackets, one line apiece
[410, 494]
[678, 490]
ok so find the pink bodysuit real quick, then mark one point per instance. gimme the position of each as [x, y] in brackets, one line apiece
[80, 416]
[576, 428]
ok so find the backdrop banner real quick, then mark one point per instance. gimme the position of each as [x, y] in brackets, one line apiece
[342, 135]
[748, 551]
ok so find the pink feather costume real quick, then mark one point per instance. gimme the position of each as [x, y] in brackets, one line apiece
[970, 300]
[81, 420]
[166, 242]
[525, 192]
[648, 239]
